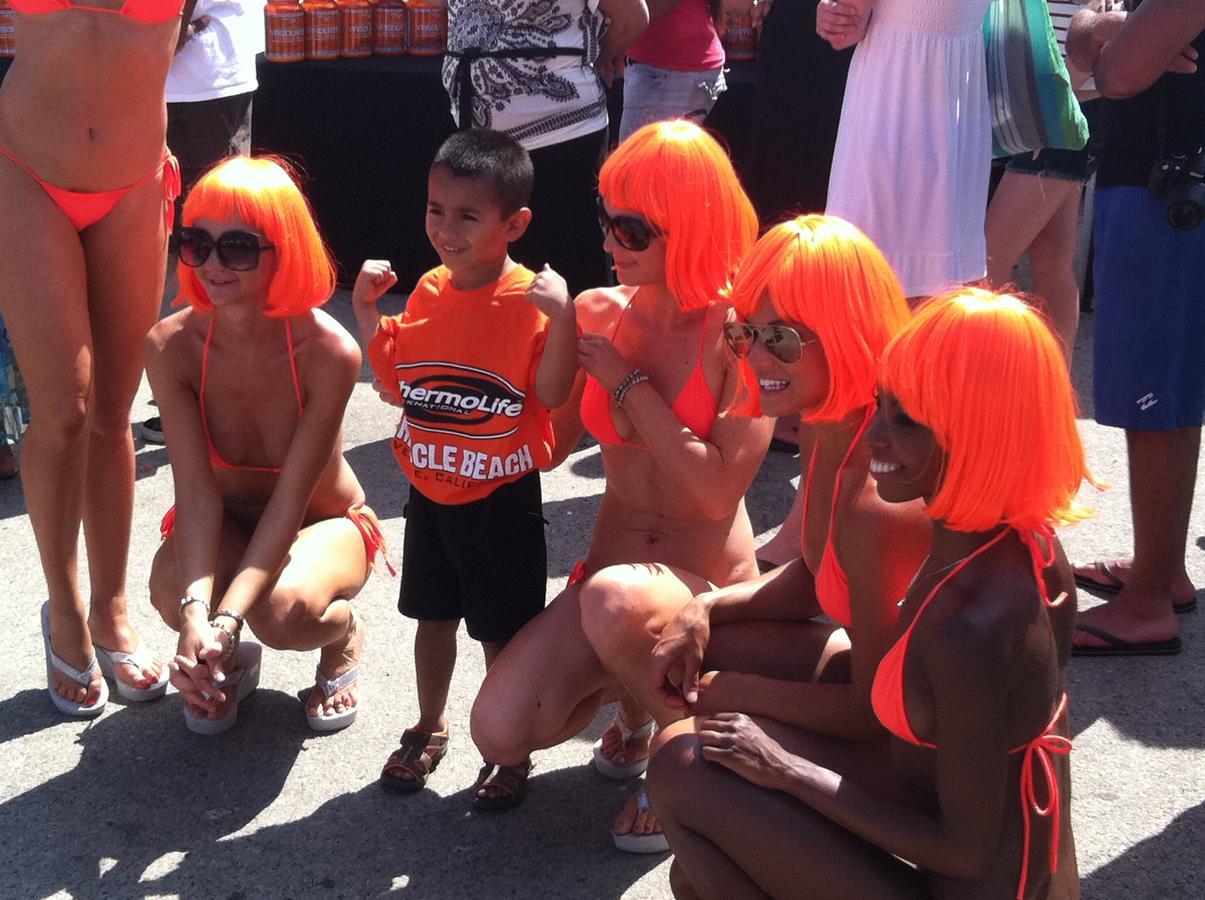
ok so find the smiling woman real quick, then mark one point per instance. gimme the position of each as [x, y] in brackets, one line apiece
[973, 688]
[269, 526]
[654, 383]
[818, 303]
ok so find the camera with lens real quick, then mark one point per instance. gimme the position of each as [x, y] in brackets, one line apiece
[1179, 181]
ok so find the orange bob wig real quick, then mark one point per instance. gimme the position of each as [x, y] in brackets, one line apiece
[263, 192]
[823, 273]
[675, 175]
[984, 372]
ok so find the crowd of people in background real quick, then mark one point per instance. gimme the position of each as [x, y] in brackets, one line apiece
[860, 700]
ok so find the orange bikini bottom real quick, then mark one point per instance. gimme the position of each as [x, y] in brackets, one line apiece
[85, 208]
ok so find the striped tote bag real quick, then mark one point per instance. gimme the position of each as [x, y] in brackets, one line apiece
[1032, 103]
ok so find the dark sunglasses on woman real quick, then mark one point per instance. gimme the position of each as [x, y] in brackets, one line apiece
[629, 232]
[781, 341]
[237, 250]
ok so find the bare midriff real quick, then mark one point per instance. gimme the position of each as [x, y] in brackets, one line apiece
[644, 517]
[245, 495]
[83, 103]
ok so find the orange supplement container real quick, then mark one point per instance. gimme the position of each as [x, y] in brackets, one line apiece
[321, 29]
[355, 28]
[428, 27]
[8, 45]
[284, 31]
[740, 40]
[389, 28]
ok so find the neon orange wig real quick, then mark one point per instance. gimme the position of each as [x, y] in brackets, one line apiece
[262, 191]
[823, 273]
[677, 177]
[985, 373]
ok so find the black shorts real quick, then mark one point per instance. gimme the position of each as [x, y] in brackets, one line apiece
[484, 562]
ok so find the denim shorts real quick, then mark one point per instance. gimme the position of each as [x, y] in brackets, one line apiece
[1068, 165]
[651, 94]
[1148, 368]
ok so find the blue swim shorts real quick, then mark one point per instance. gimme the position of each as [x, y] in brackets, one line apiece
[1149, 348]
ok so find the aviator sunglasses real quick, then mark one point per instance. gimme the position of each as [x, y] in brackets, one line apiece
[237, 250]
[629, 232]
[781, 341]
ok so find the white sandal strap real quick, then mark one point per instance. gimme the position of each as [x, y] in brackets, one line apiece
[84, 677]
[330, 687]
[138, 658]
[642, 801]
[627, 734]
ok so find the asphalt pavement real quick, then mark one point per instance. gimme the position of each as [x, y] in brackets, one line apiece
[133, 805]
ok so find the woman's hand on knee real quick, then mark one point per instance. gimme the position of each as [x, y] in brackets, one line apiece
[678, 656]
[735, 741]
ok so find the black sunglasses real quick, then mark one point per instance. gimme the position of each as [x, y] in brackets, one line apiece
[781, 341]
[630, 232]
[237, 250]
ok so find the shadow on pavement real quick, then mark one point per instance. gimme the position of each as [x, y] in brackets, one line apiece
[1154, 700]
[1167, 864]
[146, 788]
[369, 842]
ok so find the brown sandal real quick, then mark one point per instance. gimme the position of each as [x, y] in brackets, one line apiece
[417, 757]
[511, 780]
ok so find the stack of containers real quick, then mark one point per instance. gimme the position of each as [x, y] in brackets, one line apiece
[328, 29]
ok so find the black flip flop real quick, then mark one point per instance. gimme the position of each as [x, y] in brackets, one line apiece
[1108, 582]
[1116, 646]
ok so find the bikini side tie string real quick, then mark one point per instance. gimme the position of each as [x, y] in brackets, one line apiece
[1040, 751]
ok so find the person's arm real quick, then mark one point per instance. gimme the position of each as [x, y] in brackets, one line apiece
[329, 375]
[188, 25]
[712, 474]
[788, 593]
[1154, 39]
[375, 278]
[843, 23]
[557, 368]
[971, 671]
[199, 507]
[628, 19]
[880, 547]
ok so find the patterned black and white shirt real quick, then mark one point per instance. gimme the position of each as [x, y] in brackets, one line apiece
[539, 102]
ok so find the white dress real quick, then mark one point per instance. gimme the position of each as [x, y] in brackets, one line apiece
[913, 154]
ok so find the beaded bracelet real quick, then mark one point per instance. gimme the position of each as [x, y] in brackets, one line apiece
[189, 600]
[233, 635]
[230, 614]
[634, 378]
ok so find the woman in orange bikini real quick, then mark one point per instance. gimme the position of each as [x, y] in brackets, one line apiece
[677, 224]
[817, 305]
[976, 416]
[86, 187]
[252, 380]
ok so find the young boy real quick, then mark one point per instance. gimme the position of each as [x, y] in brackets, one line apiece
[482, 352]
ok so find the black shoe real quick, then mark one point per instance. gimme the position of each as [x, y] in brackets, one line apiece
[152, 431]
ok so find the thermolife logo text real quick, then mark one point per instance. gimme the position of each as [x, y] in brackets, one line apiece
[447, 398]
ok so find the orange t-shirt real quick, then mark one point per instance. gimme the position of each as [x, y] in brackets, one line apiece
[463, 363]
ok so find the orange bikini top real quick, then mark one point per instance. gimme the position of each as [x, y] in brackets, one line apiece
[151, 11]
[832, 587]
[694, 407]
[216, 460]
[887, 698]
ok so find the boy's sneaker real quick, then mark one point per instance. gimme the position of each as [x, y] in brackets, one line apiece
[152, 431]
